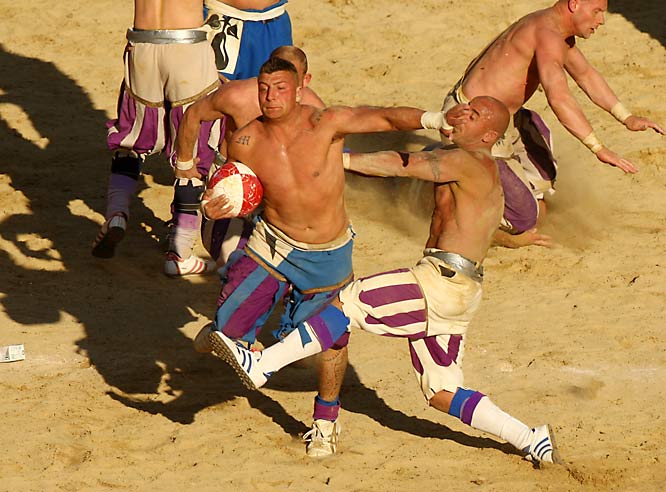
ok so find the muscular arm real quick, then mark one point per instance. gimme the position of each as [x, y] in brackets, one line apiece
[366, 119]
[550, 57]
[551, 66]
[598, 90]
[589, 79]
[207, 109]
[439, 166]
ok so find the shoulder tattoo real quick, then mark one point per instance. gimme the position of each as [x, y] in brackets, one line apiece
[243, 140]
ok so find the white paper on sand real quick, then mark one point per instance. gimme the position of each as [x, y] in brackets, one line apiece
[12, 353]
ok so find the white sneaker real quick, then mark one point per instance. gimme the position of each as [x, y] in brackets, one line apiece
[201, 343]
[175, 266]
[108, 237]
[543, 447]
[241, 359]
[322, 439]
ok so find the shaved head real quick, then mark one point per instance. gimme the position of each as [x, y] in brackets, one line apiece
[498, 115]
[292, 54]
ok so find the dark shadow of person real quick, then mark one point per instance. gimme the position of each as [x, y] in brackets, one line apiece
[130, 312]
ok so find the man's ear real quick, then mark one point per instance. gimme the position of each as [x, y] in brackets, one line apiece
[573, 5]
[306, 79]
[490, 136]
[299, 94]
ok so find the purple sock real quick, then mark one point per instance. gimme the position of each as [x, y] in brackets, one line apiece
[326, 410]
[119, 193]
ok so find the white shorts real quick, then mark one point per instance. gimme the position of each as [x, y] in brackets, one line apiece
[431, 310]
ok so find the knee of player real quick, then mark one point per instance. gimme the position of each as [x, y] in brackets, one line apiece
[331, 327]
[442, 400]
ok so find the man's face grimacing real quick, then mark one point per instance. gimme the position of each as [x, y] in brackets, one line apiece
[471, 121]
[278, 93]
[588, 15]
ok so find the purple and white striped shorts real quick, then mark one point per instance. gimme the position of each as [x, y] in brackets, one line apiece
[161, 77]
[431, 310]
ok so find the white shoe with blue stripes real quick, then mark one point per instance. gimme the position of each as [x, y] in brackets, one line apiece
[543, 449]
[241, 359]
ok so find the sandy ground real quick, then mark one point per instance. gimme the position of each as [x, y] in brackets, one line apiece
[111, 394]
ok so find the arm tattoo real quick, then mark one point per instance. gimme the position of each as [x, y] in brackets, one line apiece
[243, 140]
[433, 162]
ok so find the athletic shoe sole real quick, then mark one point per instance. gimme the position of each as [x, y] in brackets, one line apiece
[106, 247]
[224, 352]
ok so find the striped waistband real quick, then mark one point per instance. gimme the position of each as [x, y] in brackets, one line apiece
[166, 36]
[220, 8]
[472, 269]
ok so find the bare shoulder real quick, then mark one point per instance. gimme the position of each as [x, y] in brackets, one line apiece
[310, 97]
[236, 92]
[324, 116]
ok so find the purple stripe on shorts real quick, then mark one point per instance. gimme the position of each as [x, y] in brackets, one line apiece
[251, 309]
[520, 207]
[536, 138]
[124, 123]
[175, 117]
[398, 320]
[147, 139]
[441, 357]
[469, 406]
[390, 294]
[416, 363]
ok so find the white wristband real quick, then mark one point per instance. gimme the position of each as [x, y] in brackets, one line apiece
[346, 160]
[434, 120]
[184, 165]
[620, 112]
[593, 143]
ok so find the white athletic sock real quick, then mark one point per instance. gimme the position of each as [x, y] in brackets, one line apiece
[289, 350]
[489, 418]
[185, 234]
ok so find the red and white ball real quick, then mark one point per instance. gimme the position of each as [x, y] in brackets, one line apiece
[239, 184]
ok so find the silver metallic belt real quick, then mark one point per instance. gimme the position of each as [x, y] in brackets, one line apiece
[167, 36]
[458, 263]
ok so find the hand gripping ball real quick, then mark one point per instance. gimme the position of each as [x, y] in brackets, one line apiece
[240, 185]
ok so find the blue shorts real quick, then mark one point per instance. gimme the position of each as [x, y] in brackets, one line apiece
[269, 270]
[242, 45]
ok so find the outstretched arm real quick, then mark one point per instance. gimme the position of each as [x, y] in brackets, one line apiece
[599, 92]
[439, 166]
[368, 119]
[551, 66]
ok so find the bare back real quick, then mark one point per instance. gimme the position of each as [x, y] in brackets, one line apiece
[168, 14]
[507, 69]
[467, 211]
[300, 167]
